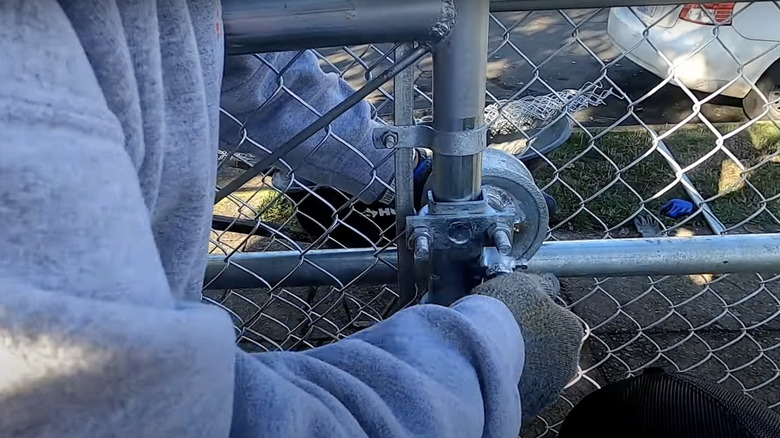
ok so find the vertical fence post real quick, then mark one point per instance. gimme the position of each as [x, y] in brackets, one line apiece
[403, 92]
[459, 75]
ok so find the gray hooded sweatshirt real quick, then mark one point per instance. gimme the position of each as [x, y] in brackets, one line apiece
[109, 126]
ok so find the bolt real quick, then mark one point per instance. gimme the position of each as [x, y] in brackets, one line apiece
[390, 139]
[422, 248]
[502, 241]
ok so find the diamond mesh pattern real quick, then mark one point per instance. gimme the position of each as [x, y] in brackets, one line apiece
[615, 141]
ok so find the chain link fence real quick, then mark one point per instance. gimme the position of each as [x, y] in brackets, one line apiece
[616, 112]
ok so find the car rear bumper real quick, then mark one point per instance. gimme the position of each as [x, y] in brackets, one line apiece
[688, 52]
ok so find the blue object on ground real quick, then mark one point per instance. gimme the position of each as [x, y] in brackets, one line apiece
[677, 208]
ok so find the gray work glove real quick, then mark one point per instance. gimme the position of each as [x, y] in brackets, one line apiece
[552, 336]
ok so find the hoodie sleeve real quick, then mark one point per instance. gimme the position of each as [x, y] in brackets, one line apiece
[273, 107]
[92, 342]
[427, 371]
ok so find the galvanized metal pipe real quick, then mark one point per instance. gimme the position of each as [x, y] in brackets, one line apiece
[459, 79]
[403, 93]
[660, 256]
[333, 267]
[459, 75]
[260, 26]
[574, 258]
[269, 26]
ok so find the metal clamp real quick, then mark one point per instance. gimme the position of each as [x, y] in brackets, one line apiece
[459, 225]
[460, 143]
[509, 188]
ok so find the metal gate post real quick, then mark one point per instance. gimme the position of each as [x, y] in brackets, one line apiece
[403, 87]
[459, 75]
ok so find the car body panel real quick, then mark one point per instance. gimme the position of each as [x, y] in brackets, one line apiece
[700, 57]
[760, 21]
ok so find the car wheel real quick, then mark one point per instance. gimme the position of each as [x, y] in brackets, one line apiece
[769, 85]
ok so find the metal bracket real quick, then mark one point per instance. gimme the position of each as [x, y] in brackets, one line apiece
[509, 187]
[495, 264]
[458, 225]
[461, 143]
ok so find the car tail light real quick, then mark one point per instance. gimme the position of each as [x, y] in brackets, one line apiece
[708, 13]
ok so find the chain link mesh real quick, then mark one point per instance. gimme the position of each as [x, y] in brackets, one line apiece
[507, 117]
[628, 109]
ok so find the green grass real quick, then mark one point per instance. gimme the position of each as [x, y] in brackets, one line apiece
[613, 183]
[255, 200]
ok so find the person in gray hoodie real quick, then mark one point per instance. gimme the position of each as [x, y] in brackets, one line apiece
[109, 128]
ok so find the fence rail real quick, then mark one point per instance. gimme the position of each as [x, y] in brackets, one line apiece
[624, 257]
[616, 111]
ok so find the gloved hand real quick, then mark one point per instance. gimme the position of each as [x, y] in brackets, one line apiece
[552, 336]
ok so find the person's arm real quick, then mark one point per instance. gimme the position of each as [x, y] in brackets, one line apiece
[274, 108]
[91, 340]
[429, 371]
[92, 343]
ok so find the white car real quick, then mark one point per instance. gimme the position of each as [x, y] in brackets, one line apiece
[706, 46]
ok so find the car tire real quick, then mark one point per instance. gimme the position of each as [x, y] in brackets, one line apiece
[769, 85]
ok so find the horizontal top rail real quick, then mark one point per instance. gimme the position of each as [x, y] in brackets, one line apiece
[256, 26]
[259, 26]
